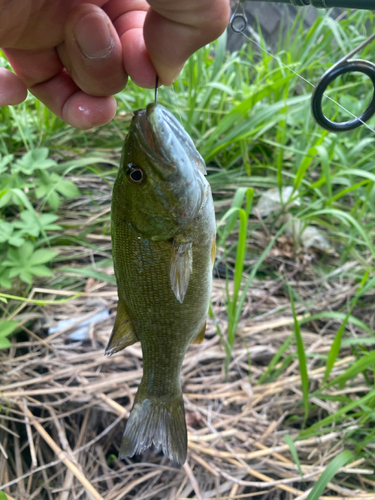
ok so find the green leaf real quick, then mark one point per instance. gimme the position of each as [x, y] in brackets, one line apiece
[25, 262]
[54, 200]
[33, 224]
[5, 344]
[7, 327]
[5, 197]
[42, 256]
[25, 275]
[5, 280]
[50, 184]
[41, 271]
[3, 496]
[35, 159]
[6, 231]
[67, 189]
[15, 241]
[23, 199]
[4, 162]
[329, 473]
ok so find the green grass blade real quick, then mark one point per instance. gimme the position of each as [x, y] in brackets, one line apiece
[336, 344]
[255, 269]
[90, 273]
[240, 257]
[347, 219]
[329, 473]
[293, 450]
[40, 302]
[358, 367]
[358, 341]
[301, 358]
[230, 217]
[339, 317]
[335, 416]
[274, 361]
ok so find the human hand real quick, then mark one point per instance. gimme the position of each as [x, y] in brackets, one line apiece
[74, 56]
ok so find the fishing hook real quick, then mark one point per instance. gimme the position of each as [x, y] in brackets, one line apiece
[156, 88]
[344, 65]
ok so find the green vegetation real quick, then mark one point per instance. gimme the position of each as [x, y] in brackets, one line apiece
[249, 116]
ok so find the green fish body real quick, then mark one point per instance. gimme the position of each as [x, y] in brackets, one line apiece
[163, 241]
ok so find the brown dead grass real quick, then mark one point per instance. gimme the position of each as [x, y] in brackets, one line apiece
[64, 404]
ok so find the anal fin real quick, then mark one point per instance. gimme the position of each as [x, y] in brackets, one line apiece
[122, 334]
[200, 337]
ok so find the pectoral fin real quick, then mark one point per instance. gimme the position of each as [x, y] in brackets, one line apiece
[200, 337]
[122, 334]
[180, 269]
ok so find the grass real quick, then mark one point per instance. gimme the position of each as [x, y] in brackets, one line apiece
[249, 116]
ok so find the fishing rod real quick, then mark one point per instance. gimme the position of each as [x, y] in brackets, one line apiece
[239, 24]
[325, 4]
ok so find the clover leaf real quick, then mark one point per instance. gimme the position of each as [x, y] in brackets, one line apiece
[36, 159]
[26, 262]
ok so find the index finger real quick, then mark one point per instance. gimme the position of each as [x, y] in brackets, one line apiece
[44, 75]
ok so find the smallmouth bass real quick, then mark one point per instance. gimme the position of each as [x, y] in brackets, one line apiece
[163, 242]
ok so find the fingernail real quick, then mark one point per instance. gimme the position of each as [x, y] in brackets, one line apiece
[93, 36]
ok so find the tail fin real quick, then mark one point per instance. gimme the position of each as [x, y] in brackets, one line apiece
[158, 423]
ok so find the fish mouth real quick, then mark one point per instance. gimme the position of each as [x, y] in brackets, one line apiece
[173, 157]
[166, 142]
[147, 134]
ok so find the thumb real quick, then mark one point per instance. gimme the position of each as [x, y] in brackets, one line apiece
[92, 51]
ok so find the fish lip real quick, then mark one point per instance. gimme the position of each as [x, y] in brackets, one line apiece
[166, 142]
[147, 136]
[143, 128]
[171, 153]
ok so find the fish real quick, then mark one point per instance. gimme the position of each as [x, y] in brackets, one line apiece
[163, 234]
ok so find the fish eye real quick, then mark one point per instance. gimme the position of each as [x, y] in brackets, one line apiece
[135, 173]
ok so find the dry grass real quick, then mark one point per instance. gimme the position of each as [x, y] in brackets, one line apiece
[64, 404]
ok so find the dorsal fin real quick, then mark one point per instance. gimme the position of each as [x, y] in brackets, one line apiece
[122, 334]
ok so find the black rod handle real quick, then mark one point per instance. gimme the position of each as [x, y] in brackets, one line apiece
[326, 4]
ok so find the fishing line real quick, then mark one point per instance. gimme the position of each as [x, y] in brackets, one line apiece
[156, 89]
[243, 24]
